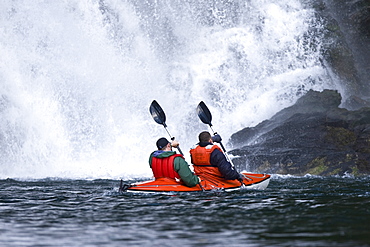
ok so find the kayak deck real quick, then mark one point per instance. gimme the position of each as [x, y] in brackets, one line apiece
[250, 181]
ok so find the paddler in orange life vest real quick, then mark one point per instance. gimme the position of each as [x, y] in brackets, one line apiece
[209, 160]
[166, 163]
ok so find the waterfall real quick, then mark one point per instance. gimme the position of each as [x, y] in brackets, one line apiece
[77, 77]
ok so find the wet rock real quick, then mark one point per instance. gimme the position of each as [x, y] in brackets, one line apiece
[314, 136]
[347, 52]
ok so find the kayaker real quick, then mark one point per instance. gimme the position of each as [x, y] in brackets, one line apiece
[209, 160]
[166, 163]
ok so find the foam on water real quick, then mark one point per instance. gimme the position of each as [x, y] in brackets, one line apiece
[77, 77]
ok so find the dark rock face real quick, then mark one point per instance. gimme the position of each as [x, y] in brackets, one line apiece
[347, 50]
[313, 136]
[353, 18]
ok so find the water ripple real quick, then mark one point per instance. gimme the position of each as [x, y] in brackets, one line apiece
[302, 211]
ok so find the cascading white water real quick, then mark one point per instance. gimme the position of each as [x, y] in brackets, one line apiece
[77, 77]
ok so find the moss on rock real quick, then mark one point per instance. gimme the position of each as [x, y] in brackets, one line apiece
[317, 166]
[340, 137]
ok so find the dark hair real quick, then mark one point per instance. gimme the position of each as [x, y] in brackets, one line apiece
[204, 136]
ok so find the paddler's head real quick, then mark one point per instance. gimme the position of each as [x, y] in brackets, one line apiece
[205, 136]
[163, 144]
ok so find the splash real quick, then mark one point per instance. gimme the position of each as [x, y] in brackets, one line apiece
[77, 77]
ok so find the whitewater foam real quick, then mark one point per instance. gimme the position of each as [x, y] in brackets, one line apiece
[77, 77]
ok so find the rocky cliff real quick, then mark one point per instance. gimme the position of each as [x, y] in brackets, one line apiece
[314, 136]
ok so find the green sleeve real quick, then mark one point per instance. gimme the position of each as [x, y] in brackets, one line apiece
[150, 160]
[182, 168]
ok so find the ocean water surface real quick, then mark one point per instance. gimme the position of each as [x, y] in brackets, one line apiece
[292, 211]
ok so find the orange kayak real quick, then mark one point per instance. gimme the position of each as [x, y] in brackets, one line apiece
[251, 181]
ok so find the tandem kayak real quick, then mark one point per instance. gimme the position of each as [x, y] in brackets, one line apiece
[250, 181]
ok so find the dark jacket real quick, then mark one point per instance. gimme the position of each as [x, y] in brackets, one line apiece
[218, 159]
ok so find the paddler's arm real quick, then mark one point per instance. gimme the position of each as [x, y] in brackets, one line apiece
[224, 166]
[187, 176]
[150, 159]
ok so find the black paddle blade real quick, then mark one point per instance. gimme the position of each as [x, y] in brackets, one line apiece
[204, 114]
[157, 113]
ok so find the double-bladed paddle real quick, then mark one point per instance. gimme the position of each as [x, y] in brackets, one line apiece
[206, 117]
[160, 117]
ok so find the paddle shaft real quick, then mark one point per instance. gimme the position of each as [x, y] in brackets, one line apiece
[173, 138]
[160, 117]
[223, 148]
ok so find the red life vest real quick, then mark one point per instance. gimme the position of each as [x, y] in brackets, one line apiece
[201, 159]
[164, 168]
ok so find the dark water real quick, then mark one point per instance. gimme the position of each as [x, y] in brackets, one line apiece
[305, 211]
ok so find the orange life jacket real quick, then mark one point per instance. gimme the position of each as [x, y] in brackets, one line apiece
[164, 168]
[201, 159]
